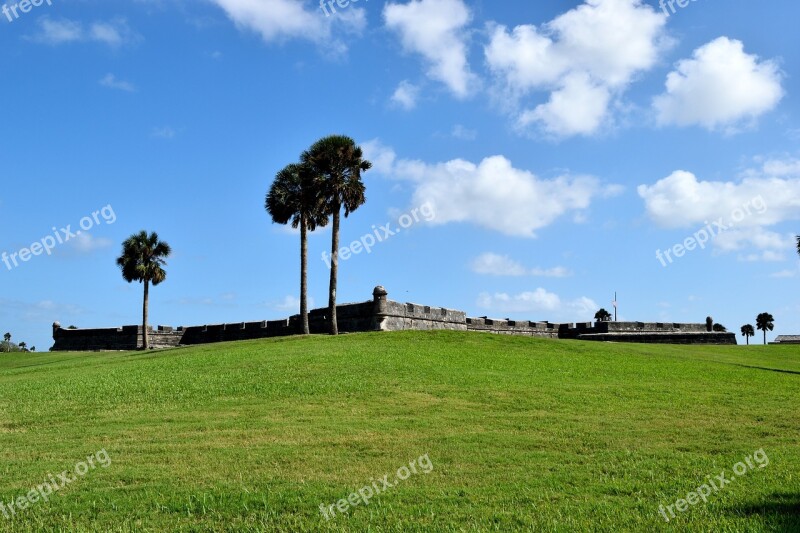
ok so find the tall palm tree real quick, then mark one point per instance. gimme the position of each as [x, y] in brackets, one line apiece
[748, 331]
[338, 161]
[295, 196]
[143, 258]
[765, 322]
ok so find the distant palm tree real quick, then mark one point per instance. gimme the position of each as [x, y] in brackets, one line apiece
[295, 196]
[338, 161]
[719, 328]
[33, 348]
[765, 322]
[748, 331]
[7, 337]
[142, 259]
[602, 315]
[23, 345]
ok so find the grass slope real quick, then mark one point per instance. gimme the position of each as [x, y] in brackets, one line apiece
[523, 434]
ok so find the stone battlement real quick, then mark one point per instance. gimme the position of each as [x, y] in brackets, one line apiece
[382, 314]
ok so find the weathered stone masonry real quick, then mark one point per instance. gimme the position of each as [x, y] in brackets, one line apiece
[382, 314]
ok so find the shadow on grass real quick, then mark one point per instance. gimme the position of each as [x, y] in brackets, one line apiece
[780, 512]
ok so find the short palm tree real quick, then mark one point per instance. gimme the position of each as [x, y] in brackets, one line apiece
[748, 331]
[143, 258]
[7, 337]
[338, 162]
[295, 196]
[23, 345]
[602, 315]
[765, 322]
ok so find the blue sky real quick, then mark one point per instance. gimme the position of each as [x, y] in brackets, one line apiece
[556, 146]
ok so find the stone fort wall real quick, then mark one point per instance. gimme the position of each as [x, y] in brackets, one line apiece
[382, 314]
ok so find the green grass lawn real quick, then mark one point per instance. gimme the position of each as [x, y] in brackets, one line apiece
[522, 434]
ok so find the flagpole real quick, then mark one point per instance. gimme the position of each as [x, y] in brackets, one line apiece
[615, 306]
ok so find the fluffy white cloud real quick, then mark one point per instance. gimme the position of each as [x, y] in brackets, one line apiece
[286, 19]
[502, 265]
[720, 87]
[435, 30]
[539, 301]
[738, 212]
[583, 58]
[492, 193]
[406, 95]
[579, 107]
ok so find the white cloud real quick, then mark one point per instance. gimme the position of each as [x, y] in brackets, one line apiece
[681, 200]
[85, 243]
[291, 304]
[584, 58]
[106, 33]
[406, 95]
[58, 31]
[275, 20]
[539, 301]
[435, 29]
[497, 265]
[111, 81]
[462, 133]
[579, 107]
[492, 193]
[720, 87]
[739, 213]
[113, 33]
[164, 132]
[502, 265]
[555, 272]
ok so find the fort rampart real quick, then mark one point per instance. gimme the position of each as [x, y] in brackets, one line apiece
[382, 314]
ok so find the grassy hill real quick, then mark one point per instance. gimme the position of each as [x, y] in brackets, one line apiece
[521, 434]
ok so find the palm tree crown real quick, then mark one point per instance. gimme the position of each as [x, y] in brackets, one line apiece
[295, 197]
[765, 322]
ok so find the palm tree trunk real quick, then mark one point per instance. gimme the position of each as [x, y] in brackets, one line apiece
[145, 344]
[334, 330]
[304, 274]
[765, 337]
